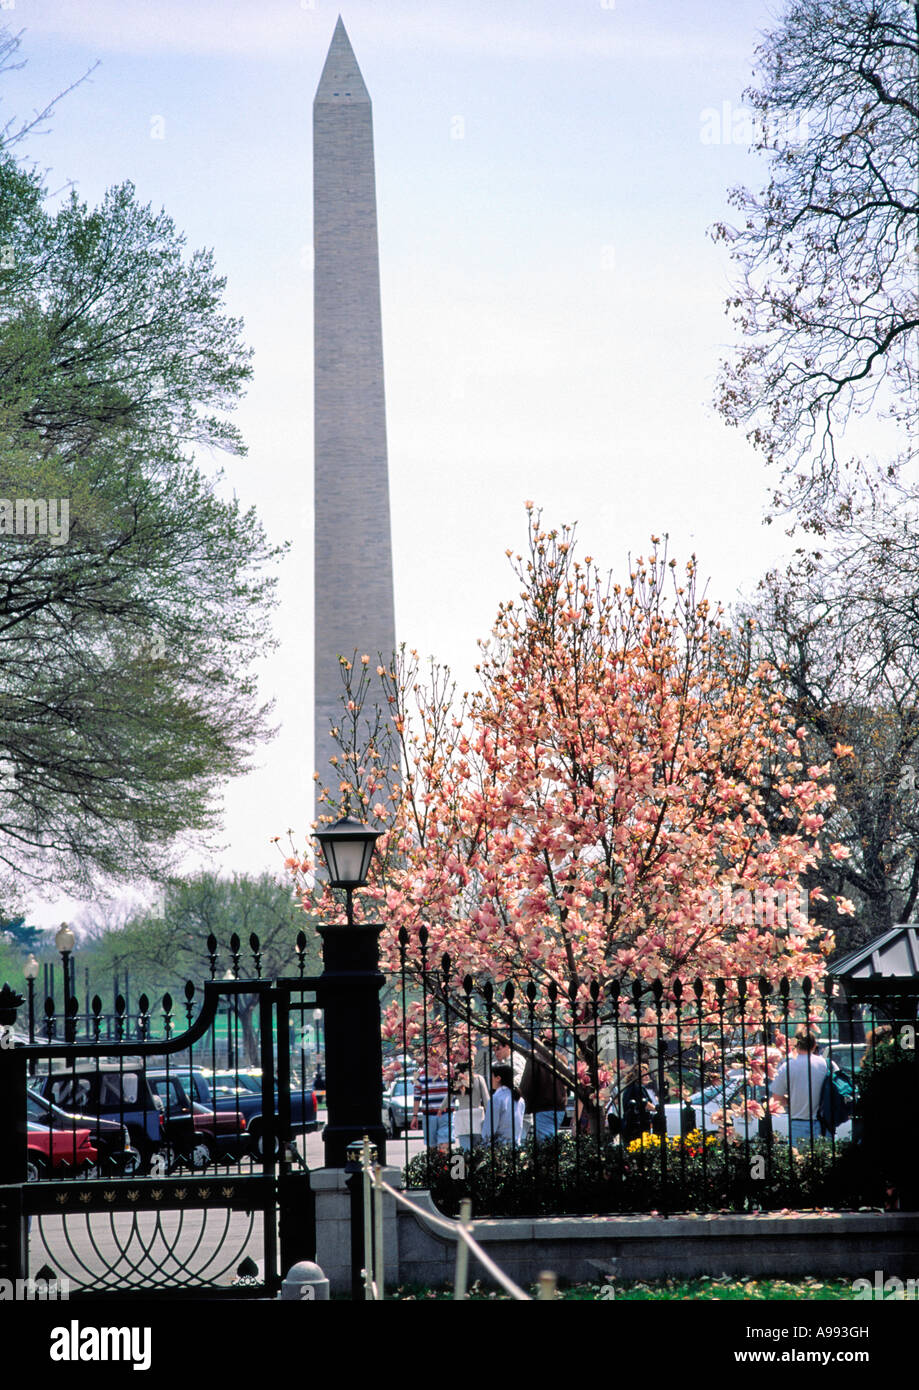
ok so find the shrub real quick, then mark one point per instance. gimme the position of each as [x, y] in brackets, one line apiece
[582, 1176]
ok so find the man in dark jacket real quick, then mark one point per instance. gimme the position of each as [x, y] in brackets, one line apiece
[544, 1094]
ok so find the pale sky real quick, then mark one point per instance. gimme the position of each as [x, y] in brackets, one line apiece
[553, 307]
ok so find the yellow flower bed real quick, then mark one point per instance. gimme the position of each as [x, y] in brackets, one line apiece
[692, 1143]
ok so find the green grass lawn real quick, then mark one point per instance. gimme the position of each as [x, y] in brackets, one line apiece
[661, 1290]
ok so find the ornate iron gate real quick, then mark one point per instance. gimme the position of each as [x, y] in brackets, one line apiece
[164, 1198]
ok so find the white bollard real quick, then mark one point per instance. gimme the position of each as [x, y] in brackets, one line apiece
[305, 1283]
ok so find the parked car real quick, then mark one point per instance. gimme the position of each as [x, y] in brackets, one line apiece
[113, 1093]
[63, 1150]
[704, 1104]
[747, 1126]
[116, 1156]
[247, 1082]
[302, 1107]
[196, 1133]
[398, 1104]
[750, 1128]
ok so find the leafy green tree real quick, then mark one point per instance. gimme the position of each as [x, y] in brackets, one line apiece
[23, 937]
[134, 598]
[163, 951]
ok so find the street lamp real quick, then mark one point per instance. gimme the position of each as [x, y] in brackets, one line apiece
[348, 991]
[65, 941]
[347, 848]
[30, 970]
[230, 1000]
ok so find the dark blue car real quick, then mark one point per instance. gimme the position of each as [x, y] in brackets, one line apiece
[242, 1091]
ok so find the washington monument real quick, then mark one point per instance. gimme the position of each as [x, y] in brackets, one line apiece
[354, 608]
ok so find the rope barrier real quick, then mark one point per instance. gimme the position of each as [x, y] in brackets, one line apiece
[461, 1231]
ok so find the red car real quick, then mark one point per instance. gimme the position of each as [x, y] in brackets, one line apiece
[196, 1132]
[68, 1150]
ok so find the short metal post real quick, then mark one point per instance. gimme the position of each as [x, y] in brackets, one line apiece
[69, 1033]
[462, 1251]
[368, 1221]
[355, 1185]
[547, 1285]
[378, 1263]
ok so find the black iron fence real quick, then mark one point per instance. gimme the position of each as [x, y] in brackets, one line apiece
[152, 1160]
[528, 1095]
[703, 1095]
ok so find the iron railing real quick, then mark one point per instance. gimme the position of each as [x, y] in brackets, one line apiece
[653, 1095]
[147, 1163]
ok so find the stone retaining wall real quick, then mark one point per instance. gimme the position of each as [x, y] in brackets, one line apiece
[840, 1245]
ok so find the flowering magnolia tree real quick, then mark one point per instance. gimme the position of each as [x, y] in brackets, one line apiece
[594, 811]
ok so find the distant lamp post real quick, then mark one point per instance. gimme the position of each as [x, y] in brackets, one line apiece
[317, 1035]
[349, 992]
[231, 1057]
[30, 970]
[65, 941]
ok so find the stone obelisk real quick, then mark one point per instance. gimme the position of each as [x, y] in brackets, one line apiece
[354, 608]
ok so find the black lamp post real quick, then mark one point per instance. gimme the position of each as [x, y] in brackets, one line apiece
[30, 970]
[65, 941]
[347, 848]
[229, 999]
[349, 991]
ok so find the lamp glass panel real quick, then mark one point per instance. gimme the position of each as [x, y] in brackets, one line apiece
[368, 847]
[346, 860]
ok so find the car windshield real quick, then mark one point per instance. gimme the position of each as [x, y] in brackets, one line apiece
[115, 1089]
[403, 1088]
[715, 1092]
[231, 1081]
[72, 1091]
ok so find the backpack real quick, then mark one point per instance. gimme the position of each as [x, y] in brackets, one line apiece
[837, 1100]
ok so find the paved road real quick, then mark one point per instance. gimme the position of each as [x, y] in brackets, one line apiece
[395, 1149]
[168, 1248]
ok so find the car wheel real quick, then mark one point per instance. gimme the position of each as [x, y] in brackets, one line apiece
[200, 1155]
[129, 1163]
[394, 1129]
[260, 1146]
[35, 1169]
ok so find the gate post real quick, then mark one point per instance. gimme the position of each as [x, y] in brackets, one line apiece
[13, 1232]
[349, 991]
[296, 1203]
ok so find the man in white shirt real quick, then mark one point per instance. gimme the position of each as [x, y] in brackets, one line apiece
[799, 1082]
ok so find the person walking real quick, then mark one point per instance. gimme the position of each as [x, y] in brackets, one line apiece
[504, 1115]
[637, 1105]
[472, 1099]
[544, 1095]
[504, 1054]
[432, 1101]
[799, 1082]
